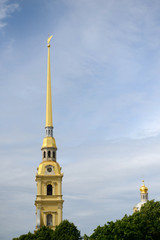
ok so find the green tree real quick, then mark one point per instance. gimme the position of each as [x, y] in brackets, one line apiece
[66, 231]
[143, 225]
[29, 236]
[44, 233]
[85, 237]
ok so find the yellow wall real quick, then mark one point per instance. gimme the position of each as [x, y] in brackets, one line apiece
[49, 204]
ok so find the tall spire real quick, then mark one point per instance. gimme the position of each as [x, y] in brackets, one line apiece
[49, 141]
[49, 122]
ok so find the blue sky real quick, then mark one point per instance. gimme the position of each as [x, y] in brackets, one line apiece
[105, 70]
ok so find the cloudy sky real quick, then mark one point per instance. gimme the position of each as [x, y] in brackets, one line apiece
[105, 70]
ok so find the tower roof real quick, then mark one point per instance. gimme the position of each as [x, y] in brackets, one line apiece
[143, 189]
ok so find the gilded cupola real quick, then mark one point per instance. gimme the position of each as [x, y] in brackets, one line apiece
[143, 189]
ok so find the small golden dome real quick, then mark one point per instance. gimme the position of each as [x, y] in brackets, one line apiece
[143, 189]
[49, 142]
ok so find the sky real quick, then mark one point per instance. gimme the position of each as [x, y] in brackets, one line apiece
[105, 73]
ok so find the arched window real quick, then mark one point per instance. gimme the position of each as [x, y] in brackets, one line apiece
[49, 132]
[44, 154]
[54, 154]
[49, 189]
[49, 220]
[49, 154]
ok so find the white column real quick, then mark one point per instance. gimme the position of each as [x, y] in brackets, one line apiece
[38, 218]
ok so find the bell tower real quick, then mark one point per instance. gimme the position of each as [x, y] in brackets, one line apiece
[49, 203]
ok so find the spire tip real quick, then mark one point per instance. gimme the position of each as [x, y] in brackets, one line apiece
[49, 39]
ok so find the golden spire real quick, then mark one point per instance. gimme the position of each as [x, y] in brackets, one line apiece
[49, 141]
[49, 97]
[143, 189]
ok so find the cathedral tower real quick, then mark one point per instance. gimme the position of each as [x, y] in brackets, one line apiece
[49, 201]
[144, 198]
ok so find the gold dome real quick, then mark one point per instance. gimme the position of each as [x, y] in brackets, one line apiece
[49, 142]
[143, 189]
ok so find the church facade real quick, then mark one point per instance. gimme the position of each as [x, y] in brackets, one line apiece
[49, 202]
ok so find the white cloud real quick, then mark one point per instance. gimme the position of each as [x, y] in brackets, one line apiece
[6, 9]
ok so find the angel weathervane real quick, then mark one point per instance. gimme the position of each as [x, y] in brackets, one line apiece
[49, 39]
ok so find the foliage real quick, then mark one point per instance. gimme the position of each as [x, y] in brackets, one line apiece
[65, 231]
[42, 234]
[85, 237]
[28, 236]
[143, 225]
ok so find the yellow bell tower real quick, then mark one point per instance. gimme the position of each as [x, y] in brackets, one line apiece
[49, 201]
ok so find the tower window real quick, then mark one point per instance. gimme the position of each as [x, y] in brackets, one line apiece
[44, 154]
[49, 154]
[54, 154]
[49, 132]
[49, 189]
[49, 220]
